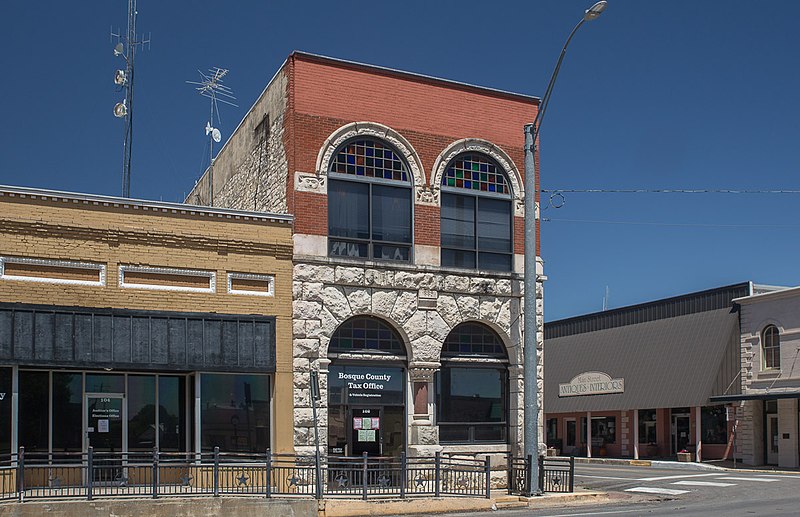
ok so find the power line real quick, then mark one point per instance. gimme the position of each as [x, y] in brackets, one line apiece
[655, 223]
[666, 191]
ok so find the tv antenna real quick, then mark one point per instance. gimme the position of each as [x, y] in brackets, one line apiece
[211, 86]
[123, 78]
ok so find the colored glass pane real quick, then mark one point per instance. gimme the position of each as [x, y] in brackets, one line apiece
[369, 158]
[475, 172]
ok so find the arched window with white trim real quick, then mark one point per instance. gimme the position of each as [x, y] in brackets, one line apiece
[369, 202]
[476, 214]
[771, 347]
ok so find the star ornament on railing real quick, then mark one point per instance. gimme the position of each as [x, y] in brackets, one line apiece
[342, 480]
[420, 480]
[462, 482]
[55, 482]
[121, 480]
[294, 480]
[383, 480]
[242, 479]
[186, 479]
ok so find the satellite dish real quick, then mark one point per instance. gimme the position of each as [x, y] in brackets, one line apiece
[216, 135]
[120, 78]
[118, 49]
[120, 109]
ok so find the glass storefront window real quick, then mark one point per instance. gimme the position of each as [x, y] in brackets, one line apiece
[5, 410]
[647, 426]
[67, 404]
[34, 401]
[604, 430]
[171, 413]
[105, 383]
[714, 425]
[234, 414]
[471, 404]
[141, 412]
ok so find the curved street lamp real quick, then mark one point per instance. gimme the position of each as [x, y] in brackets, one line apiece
[531, 337]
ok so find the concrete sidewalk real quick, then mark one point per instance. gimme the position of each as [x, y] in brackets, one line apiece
[689, 465]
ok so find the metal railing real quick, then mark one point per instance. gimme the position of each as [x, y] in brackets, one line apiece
[556, 474]
[157, 474]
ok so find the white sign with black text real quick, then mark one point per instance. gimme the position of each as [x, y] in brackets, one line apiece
[591, 383]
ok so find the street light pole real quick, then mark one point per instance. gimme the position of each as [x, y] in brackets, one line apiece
[531, 335]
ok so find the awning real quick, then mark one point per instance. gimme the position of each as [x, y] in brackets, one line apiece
[670, 362]
[772, 395]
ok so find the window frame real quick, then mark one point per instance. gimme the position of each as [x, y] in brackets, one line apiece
[771, 348]
[477, 195]
[408, 185]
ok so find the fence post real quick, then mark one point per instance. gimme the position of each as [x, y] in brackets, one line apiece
[572, 474]
[21, 473]
[364, 480]
[528, 468]
[403, 474]
[488, 476]
[89, 472]
[216, 471]
[155, 473]
[510, 472]
[542, 474]
[317, 474]
[437, 471]
[269, 473]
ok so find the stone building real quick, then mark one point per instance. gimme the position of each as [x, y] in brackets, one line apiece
[407, 197]
[111, 308]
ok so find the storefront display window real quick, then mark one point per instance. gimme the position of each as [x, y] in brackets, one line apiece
[234, 414]
[34, 401]
[105, 383]
[171, 413]
[141, 412]
[714, 425]
[67, 407]
[647, 426]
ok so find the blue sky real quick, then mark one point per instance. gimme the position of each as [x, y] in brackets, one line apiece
[678, 95]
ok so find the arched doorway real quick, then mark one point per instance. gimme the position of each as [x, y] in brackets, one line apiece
[366, 389]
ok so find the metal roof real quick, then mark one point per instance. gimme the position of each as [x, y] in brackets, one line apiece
[668, 362]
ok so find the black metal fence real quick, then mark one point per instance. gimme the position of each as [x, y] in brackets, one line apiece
[162, 474]
[556, 474]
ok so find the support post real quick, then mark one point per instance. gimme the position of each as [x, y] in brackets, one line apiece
[636, 434]
[540, 461]
[364, 474]
[588, 434]
[698, 434]
[571, 474]
[488, 470]
[155, 473]
[89, 472]
[510, 473]
[216, 471]
[403, 474]
[528, 477]
[269, 473]
[21, 474]
[437, 474]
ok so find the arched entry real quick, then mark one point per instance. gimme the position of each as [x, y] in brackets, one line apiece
[366, 389]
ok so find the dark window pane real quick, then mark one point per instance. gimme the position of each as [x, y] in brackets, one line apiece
[347, 249]
[389, 252]
[105, 383]
[234, 413]
[391, 214]
[471, 395]
[604, 430]
[348, 209]
[494, 225]
[453, 433]
[494, 261]
[647, 426]
[172, 413]
[141, 412]
[67, 407]
[34, 392]
[458, 258]
[490, 433]
[458, 221]
[365, 334]
[714, 425]
[5, 411]
[473, 339]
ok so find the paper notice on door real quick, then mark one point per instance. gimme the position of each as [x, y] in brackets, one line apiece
[102, 425]
[356, 423]
[366, 435]
[376, 423]
[366, 423]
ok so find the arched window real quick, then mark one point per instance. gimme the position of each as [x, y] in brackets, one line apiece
[476, 216]
[366, 334]
[369, 202]
[771, 345]
[472, 387]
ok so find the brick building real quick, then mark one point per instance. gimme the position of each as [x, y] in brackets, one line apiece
[407, 196]
[112, 308]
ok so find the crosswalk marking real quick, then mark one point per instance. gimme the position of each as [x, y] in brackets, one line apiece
[703, 483]
[664, 478]
[654, 490]
[762, 480]
[604, 477]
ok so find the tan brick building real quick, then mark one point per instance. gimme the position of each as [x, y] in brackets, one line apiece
[128, 325]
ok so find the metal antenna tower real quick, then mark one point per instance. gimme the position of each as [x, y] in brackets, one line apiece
[126, 48]
[211, 87]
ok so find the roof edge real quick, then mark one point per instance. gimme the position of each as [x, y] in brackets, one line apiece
[309, 56]
[32, 192]
[786, 292]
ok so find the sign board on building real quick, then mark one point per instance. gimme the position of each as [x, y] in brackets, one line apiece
[591, 383]
[378, 385]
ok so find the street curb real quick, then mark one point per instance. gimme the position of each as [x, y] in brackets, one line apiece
[677, 465]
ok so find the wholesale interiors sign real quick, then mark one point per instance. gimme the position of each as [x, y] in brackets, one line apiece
[591, 383]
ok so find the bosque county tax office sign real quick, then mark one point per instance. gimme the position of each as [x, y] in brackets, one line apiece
[591, 383]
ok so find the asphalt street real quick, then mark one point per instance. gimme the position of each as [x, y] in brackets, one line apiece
[664, 491]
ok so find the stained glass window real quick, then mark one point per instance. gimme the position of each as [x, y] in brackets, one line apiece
[473, 339]
[359, 334]
[371, 159]
[475, 172]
